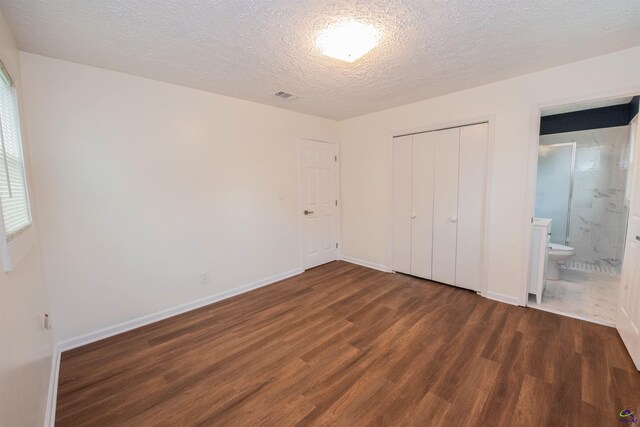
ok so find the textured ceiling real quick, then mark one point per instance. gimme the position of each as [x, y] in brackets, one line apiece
[252, 48]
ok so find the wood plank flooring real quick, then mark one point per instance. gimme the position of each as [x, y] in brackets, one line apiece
[345, 345]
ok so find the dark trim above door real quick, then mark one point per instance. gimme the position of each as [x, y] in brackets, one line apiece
[595, 118]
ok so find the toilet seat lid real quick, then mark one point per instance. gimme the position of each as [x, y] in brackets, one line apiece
[559, 247]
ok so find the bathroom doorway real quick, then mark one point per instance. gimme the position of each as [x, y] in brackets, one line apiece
[583, 179]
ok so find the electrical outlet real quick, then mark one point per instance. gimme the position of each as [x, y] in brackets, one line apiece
[204, 277]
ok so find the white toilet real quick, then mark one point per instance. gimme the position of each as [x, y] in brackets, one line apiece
[558, 254]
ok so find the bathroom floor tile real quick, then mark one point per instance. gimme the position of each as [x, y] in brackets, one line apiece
[586, 295]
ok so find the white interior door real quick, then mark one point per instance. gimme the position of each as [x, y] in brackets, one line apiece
[628, 321]
[471, 199]
[422, 204]
[320, 231]
[445, 205]
[401, 203]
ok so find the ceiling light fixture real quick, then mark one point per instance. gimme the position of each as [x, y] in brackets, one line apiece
[347, 40]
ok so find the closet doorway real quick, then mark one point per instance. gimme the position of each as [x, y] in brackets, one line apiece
[439, 187]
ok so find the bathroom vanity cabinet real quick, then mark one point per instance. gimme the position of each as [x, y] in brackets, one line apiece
[539, 254]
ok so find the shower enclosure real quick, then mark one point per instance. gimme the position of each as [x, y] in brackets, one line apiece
[580, 186]
[554, 188]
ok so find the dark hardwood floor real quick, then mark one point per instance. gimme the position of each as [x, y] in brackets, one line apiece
[345, 345]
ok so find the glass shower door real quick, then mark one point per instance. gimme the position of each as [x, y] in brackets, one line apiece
[556, 164]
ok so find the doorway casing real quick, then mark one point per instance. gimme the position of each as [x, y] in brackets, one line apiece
[490, 120]
[301, 203]
[530, 194]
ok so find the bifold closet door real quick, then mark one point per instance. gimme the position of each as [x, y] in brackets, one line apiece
[401, 189]
[422, 204]
[445, 204]
[438, 204]
[471, 200]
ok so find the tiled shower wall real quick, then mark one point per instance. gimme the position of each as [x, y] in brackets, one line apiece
[598, 214]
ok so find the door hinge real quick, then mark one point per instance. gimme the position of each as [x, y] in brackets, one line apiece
[336, 203]
[336, 157]
[336, 245]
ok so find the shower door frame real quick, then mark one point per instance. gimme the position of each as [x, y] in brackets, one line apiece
[571, 181]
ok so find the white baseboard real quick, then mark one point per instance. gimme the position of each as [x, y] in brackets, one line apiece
[50, 410]
[107, 332]
[365, 263]
[496, 296]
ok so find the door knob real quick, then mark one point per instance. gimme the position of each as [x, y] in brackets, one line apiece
[413, 215]
[306, 212]
[454, 219]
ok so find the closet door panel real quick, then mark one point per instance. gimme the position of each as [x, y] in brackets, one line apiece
[422, 204]
[471, 200]
[445, 205]
[401, 189]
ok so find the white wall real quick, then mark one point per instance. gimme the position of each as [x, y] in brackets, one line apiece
[365, 157]
[25, 347]
[142, 185]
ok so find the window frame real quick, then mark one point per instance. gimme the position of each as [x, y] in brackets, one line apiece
[15, 247]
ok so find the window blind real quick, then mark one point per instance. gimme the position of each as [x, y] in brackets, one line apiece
[13, 186]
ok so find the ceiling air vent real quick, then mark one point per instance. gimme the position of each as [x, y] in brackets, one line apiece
[284, 95]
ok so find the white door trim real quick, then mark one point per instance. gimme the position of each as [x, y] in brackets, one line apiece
[490, 120]
[300, 215]
[532, 167]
